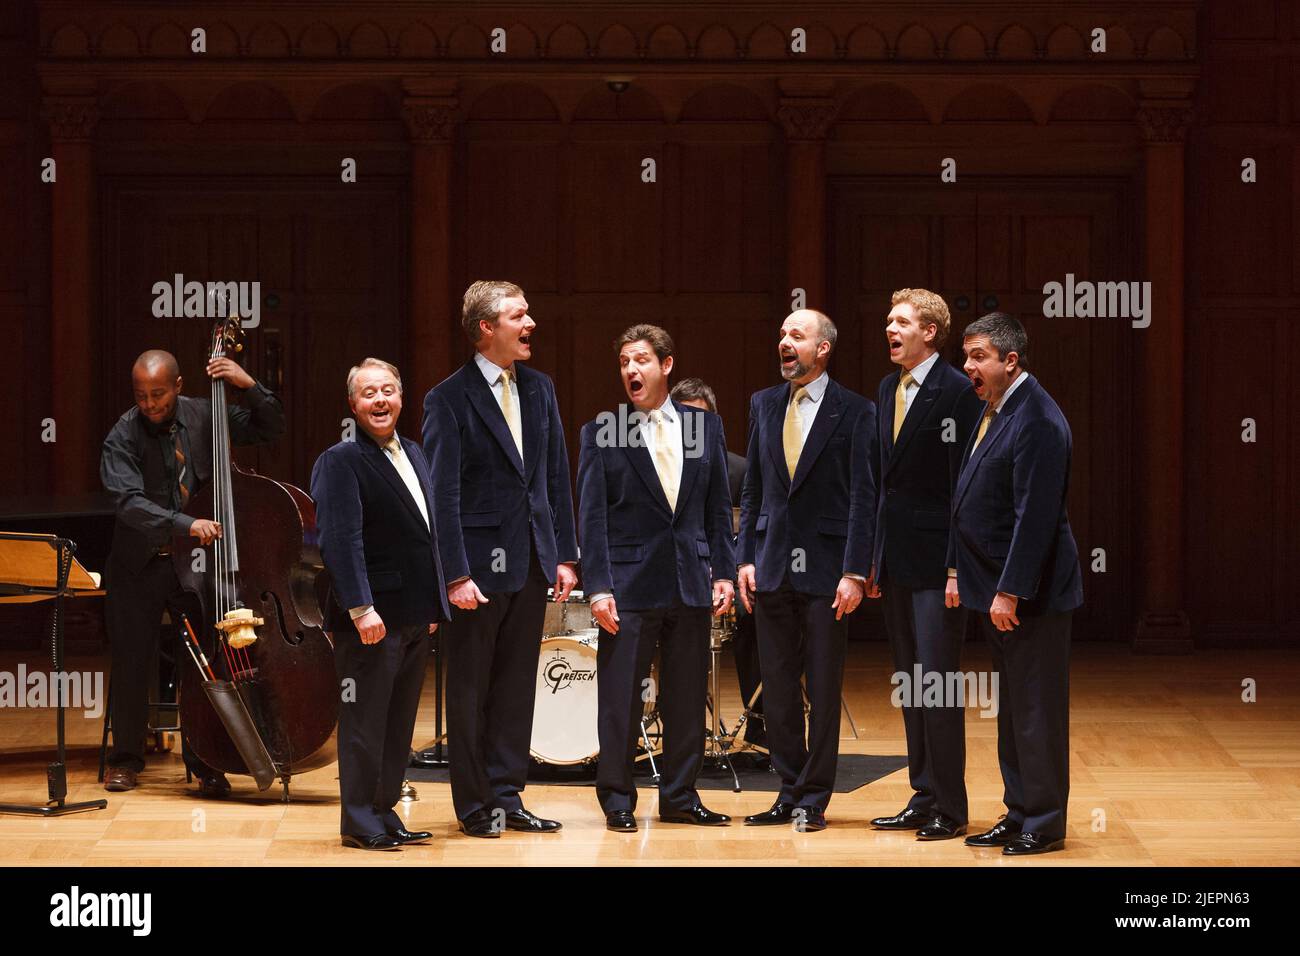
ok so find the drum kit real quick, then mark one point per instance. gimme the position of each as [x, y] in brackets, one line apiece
[565, 712]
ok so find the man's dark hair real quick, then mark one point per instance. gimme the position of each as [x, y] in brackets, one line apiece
[694, 390]
[1004, 333]
[659, 340]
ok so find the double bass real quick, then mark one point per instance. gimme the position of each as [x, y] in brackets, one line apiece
[264, 698]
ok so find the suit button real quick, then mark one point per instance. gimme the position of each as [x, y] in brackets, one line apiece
[890, 491]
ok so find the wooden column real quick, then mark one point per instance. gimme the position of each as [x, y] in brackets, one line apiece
[805, 112]
[1162, 627]
[429, 109]
[71, 118]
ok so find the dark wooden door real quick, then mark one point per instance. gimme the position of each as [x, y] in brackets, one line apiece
[990, 246]
[332, 274]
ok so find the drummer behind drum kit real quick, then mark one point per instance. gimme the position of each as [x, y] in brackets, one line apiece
[565, 712]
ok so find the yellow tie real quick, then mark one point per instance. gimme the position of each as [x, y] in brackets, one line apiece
[666, 459]
[512, 417]
[792, 432]
[900, 402]
[984, 427]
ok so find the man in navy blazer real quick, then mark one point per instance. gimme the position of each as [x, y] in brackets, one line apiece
[806, 527]
[504, 513]
[1013, 561]
[655, 523]
[927, 412]
[374, 514]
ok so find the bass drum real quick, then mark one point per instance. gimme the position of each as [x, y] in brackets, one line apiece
[564, 709]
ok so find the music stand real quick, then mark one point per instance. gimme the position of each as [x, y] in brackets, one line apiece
[25, 576]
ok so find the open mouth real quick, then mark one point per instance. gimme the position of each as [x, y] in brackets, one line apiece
[978, 383]
[635, 386]
[524, 340]
[378, 415]
[789, 359]
[895, 345]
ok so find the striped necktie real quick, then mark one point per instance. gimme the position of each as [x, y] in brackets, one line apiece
[179, 452]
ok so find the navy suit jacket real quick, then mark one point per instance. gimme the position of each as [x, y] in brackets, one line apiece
[828, 509]
[917, 473]
[633, 545]
[1010, 531]
[491, 508]
[373, 539]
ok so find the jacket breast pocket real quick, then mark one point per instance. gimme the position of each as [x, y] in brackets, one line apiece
[386, 581]
[624, 553]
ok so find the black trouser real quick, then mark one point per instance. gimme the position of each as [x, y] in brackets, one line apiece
[744, 645]
[133, 611]
[922, 631]
[799, 636]
[376, 723]
[492, 654]
[1033, 667]
[622, 666]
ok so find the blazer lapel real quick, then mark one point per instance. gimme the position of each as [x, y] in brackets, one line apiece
[996, 427]
[380, 461]
[485, 403]
[886, 412]
[690, 464]
[530, 423]
[922, 403]
[775, 427]
[639, 457]
[827, 420]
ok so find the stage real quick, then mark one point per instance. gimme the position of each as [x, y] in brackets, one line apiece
[1168, 767]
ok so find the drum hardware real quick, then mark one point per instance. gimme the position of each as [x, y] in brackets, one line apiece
[409, 793]
[716, 747]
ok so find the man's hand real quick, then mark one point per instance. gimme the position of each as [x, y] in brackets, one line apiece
[565, 581]
[1003, 611]
[873, 588]
[847, 596]
[230, 371]
[605, 611]
[748, 585]
[205, 530]
[371, 627]
[950, 596]
[466, 595]
[724, 592]
[433, 627]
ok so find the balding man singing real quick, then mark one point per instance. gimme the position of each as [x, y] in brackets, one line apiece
[806, 524]
[155, 458]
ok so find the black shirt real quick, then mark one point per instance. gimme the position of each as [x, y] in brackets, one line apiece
[138, 466]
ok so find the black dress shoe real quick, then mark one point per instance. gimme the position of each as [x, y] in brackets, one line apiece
[214, 787]
[908, 819]
[521, 819]
[699, 815]
[1000, 834]
[941, 828]
[380, 841]
[1029, 843]
[404, 836]
[778, 813]
[620, 821]
[480, 824]
[809, 819]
